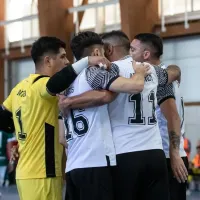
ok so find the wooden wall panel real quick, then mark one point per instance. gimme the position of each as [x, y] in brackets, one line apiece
[15, 53]
[177, 30]
[192, 103]
[138, 16]
[55, 21]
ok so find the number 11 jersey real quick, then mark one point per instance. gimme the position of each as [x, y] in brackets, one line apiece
[133, 118]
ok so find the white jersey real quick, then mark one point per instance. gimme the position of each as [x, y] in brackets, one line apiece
[89, 135]
[163, 122]
[133, 119]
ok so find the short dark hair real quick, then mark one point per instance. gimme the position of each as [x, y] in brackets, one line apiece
[84, 40]
[118, 35]
[154, 41]
[44, 45]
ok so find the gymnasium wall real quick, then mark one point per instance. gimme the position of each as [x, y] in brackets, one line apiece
[186, 54]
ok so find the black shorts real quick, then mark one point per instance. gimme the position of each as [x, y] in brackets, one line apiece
[141, 175]
[177, 190]
[89, 184]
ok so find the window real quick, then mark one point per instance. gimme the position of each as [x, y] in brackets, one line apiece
[110, 15]
[26, 29]
[172, 7]
[196, 5]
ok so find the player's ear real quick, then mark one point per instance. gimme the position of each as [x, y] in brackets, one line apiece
[146, 55]
[47, 61]
[96, 52]
[108, 48]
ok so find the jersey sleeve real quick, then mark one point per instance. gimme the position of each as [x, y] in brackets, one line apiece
[7, 104]
[164, 93]
[99, 78]
[162, 76]
[41, 87]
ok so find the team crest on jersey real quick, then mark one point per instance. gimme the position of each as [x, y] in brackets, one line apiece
[69, 91]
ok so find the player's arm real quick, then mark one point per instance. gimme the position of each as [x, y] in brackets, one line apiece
[174, 73]
[64, 161]
[100, 97]
[86, 100]
[167, 103]
[133, 85]
[169, 75]
[64, 78]
[6, 120]
[62, 139]
[100, 79]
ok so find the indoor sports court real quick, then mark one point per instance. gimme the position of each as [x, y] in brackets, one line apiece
[99, 100]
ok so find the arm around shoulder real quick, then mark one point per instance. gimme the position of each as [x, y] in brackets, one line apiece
[88, 99]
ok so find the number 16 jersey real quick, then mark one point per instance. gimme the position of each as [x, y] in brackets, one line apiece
[133, 119]
[88, 131]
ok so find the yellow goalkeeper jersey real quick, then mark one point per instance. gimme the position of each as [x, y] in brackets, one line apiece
[35, 115]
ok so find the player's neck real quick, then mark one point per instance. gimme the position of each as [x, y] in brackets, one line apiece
[118, 56]
[154, 62]
[42, 72]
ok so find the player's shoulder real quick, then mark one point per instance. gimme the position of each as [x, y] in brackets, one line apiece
[90, 72]
[152, 68]
[20, 85]
[91, 69]
[38, 79]
[162, 65]
[125, 60]
[124, 66]
[37, 82]
[98, 71]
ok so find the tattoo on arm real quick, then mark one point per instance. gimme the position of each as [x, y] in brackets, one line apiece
[174, 139]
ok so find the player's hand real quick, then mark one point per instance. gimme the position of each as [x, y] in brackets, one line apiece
[14, 154]
[11, 167]
[142, 68]
[63, 104]
[100, 61]
[178, 167]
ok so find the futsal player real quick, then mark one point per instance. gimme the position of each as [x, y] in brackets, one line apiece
[148, 47]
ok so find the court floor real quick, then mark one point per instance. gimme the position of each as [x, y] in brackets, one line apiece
[10, 193]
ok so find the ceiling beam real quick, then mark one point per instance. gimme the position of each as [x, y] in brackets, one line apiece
[54, 21]
[138, 16]
[81, 14]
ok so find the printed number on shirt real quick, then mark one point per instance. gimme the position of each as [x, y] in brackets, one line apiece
[138, 117]
[21, 134]
[79, 123]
